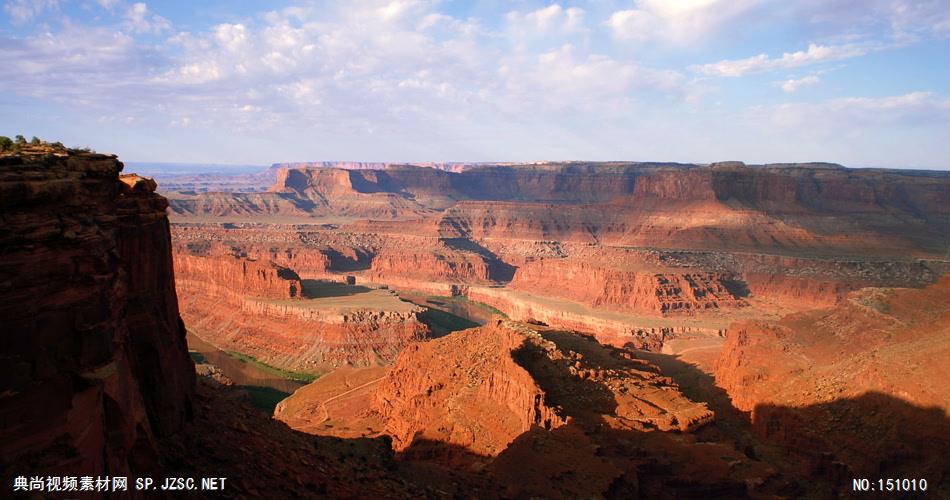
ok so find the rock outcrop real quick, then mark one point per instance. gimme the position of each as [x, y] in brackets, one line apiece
[94, 360]
[437, 265]
[223, 275]
[869, 372]
[264, 310]
[480, 389]
[629, 290]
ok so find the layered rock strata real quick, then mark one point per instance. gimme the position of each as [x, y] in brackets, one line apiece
[869, 372]
[229, 276]
[94, 360]
[266, 311]
[663, 293]
[482, 388]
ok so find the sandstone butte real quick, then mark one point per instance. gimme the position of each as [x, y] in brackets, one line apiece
[535, 411]
[484, 387]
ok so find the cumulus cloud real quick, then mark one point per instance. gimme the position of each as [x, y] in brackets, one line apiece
[761, 63]
[678, 21]
[139, 19]
[565, 78]
[424, 73]
[793, 84]
[547, 20]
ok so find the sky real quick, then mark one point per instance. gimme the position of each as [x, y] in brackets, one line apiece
[864, 83]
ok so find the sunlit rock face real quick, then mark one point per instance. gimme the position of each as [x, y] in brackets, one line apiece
[870, 372]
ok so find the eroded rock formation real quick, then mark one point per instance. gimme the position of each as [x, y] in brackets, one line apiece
[94, 361]
[264, 310]
[480, 389]
[229, 276]
[870, 372]
[626, 289]
[716, 242]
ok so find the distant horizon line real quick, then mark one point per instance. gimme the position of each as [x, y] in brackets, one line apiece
[532, 162]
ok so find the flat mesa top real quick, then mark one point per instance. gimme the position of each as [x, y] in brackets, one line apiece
[341, 298]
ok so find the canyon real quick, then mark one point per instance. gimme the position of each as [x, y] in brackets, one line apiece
[650, 250]
[506, 330]
[689, 264]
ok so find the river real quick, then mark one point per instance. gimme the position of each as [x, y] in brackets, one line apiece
[266, 389]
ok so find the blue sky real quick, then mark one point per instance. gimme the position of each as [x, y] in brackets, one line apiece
[859, 82]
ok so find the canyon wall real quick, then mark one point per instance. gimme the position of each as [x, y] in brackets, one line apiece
[869, 372]
[725, 206]
[226, 276]
[95, 364]
[610, 328]
[436, 265]
[264, 310]
[628, 290]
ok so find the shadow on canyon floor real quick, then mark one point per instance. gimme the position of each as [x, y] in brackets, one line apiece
[873, 435]
[317, 289]
[811, 451]
[591, 459]
[360, 261]
[700, 386]
[826, 445]
[442, 323]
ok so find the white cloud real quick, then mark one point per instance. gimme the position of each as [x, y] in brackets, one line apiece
[139, 19]
[567, 78]
[902, 20]
[231, 37]
[853, 114]
[677, 21]
[547, 20]
[762, 62]
[793, 84]
[21, 11]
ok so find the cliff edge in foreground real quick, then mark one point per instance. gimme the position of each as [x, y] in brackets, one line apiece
[93, 361]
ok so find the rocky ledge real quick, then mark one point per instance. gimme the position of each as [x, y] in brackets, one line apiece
[94, 365]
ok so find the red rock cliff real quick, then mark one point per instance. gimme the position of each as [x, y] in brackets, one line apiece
[95, 365]
[228, 275]
[481, 388]
[870, 372]
[643, 291]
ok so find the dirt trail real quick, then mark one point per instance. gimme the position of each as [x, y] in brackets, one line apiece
[323, 404]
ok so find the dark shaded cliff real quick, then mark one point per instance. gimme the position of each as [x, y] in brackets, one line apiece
[93, 361]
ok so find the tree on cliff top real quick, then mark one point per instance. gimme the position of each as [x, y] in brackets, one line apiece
[6, 144]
